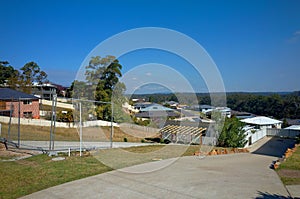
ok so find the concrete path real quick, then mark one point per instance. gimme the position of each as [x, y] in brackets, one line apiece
[294, 190]
[226, 176]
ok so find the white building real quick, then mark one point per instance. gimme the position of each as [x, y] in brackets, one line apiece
[294, 127]
[256, 128]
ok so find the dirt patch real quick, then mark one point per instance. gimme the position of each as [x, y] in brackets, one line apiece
[13, 153]
[289, 173]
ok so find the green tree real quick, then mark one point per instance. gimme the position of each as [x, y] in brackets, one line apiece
[6, 71]
[31, 73]
[14, 81]
[77, 90]
[232, 134]
[285, 123]
[102, 76]
[118, 100]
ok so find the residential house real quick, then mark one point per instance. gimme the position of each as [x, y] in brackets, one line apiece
[11, 101]
[151, 111]
[242, 115]
[256, 127]
[204, 108]
[294, 127]
[157, 114]
[44, 91]
[225, 111]
[172, 104]
[139, 106]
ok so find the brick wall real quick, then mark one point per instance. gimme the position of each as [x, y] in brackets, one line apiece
[33, 108]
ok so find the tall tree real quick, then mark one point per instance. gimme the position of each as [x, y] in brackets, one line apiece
[102, 75]
[31, 73]
[6, 72]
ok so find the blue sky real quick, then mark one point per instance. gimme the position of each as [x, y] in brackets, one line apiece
[255, 44]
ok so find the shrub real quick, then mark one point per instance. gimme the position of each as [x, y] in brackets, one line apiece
[125, 140]
[166, 141]
[298, 139]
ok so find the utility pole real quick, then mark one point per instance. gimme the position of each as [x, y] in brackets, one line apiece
[80, 129]
[19, 115]
[53, 120]
[10, 115]
[111, 125]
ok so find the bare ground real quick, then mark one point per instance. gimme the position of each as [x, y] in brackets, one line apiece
[13, 153]
[289, 173]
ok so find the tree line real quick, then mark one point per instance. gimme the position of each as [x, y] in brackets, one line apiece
[277, 105]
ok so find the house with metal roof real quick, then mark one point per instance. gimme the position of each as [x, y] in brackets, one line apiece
[13, 103]
[155, 107]
[294, 127]
[256, 127]
[156, 111]
[263, 122]
[157, 114]
[44, 91]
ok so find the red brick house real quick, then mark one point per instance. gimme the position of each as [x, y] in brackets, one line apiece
[11, 99]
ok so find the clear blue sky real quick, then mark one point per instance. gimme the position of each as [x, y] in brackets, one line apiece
[255, 44]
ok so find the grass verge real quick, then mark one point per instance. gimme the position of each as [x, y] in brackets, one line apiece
[289, 170]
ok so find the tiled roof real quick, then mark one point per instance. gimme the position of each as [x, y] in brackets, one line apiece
[8, 94]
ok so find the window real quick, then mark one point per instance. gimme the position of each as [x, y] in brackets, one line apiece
[2, 105]
[27, 102]
[27, 114]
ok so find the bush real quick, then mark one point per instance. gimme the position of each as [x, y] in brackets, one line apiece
[142, 140]
[166, 141]
[298, 139]
[125, 140]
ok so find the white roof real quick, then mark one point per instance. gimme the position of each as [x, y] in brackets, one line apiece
[261, 120]
[294, 127]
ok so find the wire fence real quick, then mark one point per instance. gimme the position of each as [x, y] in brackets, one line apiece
[45, 133]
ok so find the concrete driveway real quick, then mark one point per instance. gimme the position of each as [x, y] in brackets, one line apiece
[226, 176]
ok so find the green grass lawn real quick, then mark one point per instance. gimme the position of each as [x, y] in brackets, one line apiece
[289, 170]
[22, 177]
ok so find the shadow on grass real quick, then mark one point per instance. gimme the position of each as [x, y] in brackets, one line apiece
[275, 147]
[267, 195]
